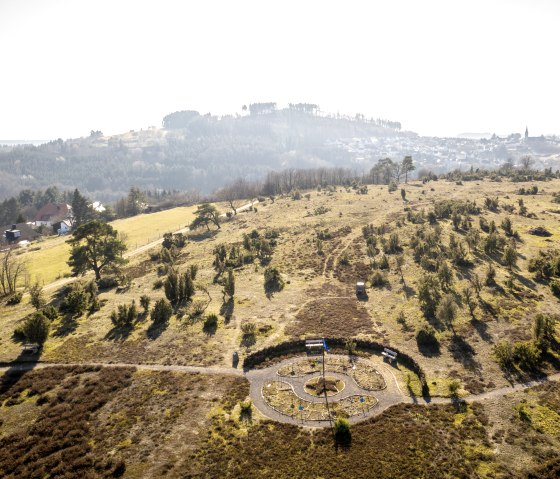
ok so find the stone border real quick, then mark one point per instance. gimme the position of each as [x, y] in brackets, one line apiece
[351, 374]
[295, 416]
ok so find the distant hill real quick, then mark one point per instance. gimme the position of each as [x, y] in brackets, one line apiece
[193, 152]
[22, 142]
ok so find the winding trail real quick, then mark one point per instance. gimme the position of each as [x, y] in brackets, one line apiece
[257, 378]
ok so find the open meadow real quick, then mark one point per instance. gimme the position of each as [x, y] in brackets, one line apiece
[46, 261]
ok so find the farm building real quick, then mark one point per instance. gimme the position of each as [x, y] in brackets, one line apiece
[18, 232]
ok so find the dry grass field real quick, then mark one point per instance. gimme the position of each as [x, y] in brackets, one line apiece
[46, 261]
[321, 252]
[318, 297]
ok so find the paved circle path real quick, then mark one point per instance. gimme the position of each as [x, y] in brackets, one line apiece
[257, 378]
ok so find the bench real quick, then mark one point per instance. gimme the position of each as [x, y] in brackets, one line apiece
[30, 349]
[389, 354]
[314, 346]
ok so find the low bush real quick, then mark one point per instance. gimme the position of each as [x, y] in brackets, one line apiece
[273, 280]
[36, 328]
[50, 312]
[342, 432]
[427, 341]
[79, 297]
[378, 280]
[526, 354]
[145, 302]
[107, 282]
[76, 302]
[210, 324]
[504, 354]
[15, 298]
[555, 287]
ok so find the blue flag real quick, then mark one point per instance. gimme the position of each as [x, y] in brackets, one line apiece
[325, 345]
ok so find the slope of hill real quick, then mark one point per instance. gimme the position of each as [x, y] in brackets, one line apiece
[418, 252]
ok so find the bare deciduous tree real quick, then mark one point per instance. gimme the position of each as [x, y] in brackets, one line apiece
[237, 191]
[11, 270]
[527, 162]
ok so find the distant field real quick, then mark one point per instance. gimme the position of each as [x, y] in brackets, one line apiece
[143, 229]
[49, 262]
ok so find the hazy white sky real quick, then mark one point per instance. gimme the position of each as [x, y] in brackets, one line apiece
[440, 67]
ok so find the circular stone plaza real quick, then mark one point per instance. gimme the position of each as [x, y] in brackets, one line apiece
[294, 391]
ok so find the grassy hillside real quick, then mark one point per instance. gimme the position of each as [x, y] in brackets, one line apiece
[47, 260]
[318, 297]
[321, 244]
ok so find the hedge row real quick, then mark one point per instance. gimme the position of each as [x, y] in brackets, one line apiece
[263, 355]
[336, 344]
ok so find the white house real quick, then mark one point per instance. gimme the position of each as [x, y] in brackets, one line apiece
[62, 227]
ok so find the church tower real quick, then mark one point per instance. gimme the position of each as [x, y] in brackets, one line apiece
[526, 133]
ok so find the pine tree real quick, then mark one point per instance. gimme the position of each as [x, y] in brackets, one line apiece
[81, 212]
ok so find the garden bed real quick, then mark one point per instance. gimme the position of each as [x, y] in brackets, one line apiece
[281, 397]
[365, 374]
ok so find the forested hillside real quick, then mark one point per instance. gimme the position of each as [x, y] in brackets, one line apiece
[191, 152]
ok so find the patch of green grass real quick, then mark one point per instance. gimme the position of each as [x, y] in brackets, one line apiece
[542, 418]
[143, 229]
[49, 262]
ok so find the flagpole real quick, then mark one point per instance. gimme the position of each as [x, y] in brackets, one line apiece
[323, 362]
[325, 384]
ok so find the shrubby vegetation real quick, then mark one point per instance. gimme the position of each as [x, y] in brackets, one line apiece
[36, 328]
[162, 312]
[125, 316]
[179, 287]
[273, 280]
[80, 297]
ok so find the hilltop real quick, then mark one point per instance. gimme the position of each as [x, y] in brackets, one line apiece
[200, 153]
[196, 152]
[295, 259]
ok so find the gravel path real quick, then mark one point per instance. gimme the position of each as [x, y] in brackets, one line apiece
[257, 378]
[29, 365]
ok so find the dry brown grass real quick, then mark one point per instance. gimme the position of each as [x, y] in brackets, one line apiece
[306, 305]
[340, 317]
[102, 422]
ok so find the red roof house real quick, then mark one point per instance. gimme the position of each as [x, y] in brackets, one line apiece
[52, 213]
